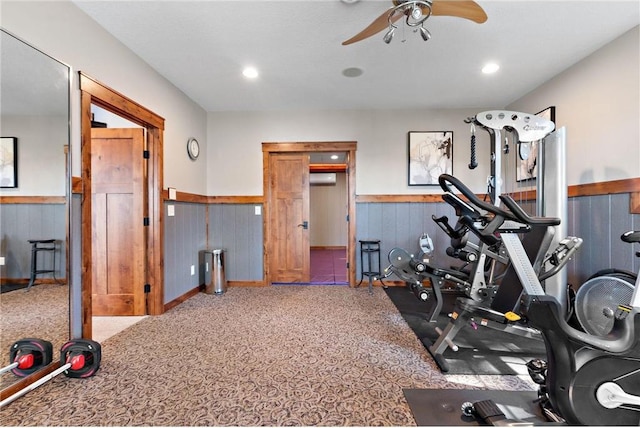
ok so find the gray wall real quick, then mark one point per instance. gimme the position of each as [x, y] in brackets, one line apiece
[598, 220]
[21, 222]
[234, 228]
[185, 234]
[597, 101]
[239, 231]
[400, 225]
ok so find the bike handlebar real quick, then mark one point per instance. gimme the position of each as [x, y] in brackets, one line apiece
[526, 218]
[446, 179]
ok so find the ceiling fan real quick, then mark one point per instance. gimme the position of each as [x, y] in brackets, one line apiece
[416, 13]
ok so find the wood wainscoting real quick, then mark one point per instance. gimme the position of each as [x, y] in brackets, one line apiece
[629, 185]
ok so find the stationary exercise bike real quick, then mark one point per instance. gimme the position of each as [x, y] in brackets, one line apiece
[502, 308]
[473, 280]
[589, 380]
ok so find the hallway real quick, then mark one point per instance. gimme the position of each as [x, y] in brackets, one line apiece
[328, 266]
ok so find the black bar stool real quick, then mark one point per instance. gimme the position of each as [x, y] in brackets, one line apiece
[37, 246]
[370, 247]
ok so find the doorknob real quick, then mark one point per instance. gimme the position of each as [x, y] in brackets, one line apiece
[304, 225]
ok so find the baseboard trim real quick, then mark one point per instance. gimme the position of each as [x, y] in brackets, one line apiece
[377, 283]
[59, 281]
[329, 247]
[246, 283]
[186, 296]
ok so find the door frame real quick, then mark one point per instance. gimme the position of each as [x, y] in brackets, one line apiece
[94, 92]
[349, 147]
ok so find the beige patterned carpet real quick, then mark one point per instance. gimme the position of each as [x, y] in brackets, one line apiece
[277, 356]
[42, 312]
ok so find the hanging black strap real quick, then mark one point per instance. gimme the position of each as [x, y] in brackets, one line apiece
[474, 163]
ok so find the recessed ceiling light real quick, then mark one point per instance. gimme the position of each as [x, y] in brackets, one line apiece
[490, 68]
[334, 157]
[250, 73]
[352, 72]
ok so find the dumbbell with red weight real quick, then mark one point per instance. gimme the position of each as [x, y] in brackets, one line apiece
[28, 356]
[80, 358]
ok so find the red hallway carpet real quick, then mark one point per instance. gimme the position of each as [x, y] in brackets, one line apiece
[329, 266]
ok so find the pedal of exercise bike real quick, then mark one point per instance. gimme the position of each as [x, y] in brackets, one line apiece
[475, 307]
[488, 411]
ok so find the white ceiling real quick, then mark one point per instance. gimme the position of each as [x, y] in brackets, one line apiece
[202, 46]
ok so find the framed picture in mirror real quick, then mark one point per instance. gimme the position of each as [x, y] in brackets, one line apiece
[8, 162]
[528, 152]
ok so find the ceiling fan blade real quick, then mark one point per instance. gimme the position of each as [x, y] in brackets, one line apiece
[459, 8]
[379, 24]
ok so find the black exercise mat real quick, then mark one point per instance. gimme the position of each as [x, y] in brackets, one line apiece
[484, 351]
[5, 288]
[443, 407]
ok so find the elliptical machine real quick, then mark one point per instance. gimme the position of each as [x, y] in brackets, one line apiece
[589, 380]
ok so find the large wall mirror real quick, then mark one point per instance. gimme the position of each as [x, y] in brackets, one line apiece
[34, 197]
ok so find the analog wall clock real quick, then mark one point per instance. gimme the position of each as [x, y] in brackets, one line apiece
[193, 148]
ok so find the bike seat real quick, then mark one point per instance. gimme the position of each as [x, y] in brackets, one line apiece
[462, 208]
[631, 236]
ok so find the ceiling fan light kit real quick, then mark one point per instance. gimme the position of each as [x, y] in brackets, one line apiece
[389, 35]
[414, 10]
[416, 13]
[426, 35]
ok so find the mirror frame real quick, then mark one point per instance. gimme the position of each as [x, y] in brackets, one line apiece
[24, 382]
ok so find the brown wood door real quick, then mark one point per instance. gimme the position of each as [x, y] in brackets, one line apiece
[288, 217]
[118, 238]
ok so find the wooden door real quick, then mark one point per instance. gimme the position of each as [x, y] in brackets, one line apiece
[118, 238]
[288, 217]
